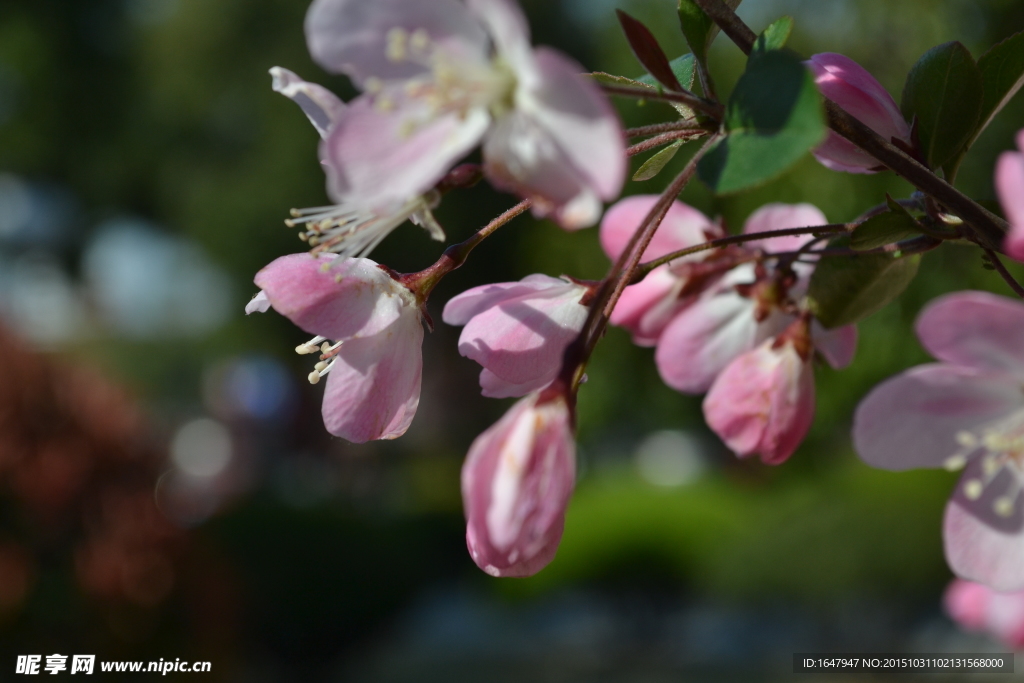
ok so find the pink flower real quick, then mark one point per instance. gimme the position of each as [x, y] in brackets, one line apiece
[439, 77]
[375, 364]
[1010, 186]
[979, 608]
[763, 402]
[516, 483]
[518, 331]
[849, 85]
[966, 411]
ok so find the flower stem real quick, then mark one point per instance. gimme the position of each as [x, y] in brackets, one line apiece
[1004, 273]
[712, 109]
[663, 139]
[985, 228]
[658, 128]
[423, 282]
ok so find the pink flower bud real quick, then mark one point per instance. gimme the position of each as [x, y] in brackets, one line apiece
[1010, 186]
[763, 402]
[518, 331]
[977, 607]
[516, 482]
[849, 85]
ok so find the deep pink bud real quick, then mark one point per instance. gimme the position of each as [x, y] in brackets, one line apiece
[849, 85]
[1010, 186]
[763, 402]
[516, 482]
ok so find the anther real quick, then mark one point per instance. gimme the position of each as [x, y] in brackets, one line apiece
[1003, 506]
[966, 439]
[319, 367]
[419, 40]
[313, 377]
[955, 462]
[973, 489]
[990, 465]
[396, 44]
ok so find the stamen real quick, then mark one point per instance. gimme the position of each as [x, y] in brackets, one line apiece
[966, 439]
[973, 489]
[420, 40]
[955, 462]
[313, 377]
[309, 347]
[397, 38]
[1003, 506]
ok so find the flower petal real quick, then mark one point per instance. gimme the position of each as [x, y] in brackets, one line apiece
[320, 105]
[351, 36]
[258, 304]
[373, 388]
[682, 227]
[837, 153]
[780, 217]
[493, 386]
[352, 297]
[461, 308]
[976, 329]
[978, 552]
[912, 420]
[507, 26]
[389, 147]
[837, 346]
[648, 306]
[1010, 188]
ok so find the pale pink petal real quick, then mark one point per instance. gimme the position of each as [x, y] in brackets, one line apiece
[461, 308]
[353, 296]
[320, 105]
[580, 120]
[493, 386]
[373, 387]
[351, 36]
[1006, 618]
[1010, 187]
[837, 346]
[516, 483]
[389, 147]
[648, 306]
[781, 217]
[912, 420]
[507, 27]
[839, 154]
[975, 329]
[978, 552]
[763, 403]
[967, 603]
[1014, 244]
[258, 304]
[683, 226]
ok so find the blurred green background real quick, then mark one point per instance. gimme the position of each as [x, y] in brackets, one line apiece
[145, 170]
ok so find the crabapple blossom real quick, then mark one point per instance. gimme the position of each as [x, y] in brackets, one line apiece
[763, 402]
[849, 85]
[375, 363]
[438, 78]
[516, 483]
[977, 607]
[967, 411]
[1010, 186]
[518, 331]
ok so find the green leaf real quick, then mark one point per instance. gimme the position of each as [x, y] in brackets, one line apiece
[657, 162]
[944, 91]
[1002, 75]
[773, 118]
[611, 79]
[682, 67]
[884, 229]
[775, 36]
[698, 28]
[845, 289]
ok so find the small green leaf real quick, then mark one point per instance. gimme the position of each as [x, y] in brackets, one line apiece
[884, 229]
[944, 91]
[845, 289]
[682, 67]
[773, 118]
[1002, 75]
[698, 28]
[611, 79]
[775, 36]
[657, 162]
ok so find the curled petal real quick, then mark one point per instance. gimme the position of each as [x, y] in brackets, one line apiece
[334, 300]
[373, 388]
[320, 105]
[975, 329]
[682, 227]
[516, 483]
[389, 147]
[912, 420]
[352, 36]
[258, 304]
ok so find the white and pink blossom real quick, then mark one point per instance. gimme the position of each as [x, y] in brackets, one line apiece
[368, 331]
[518, 331]
[1010, 186]
[966, 411]
[438, 78]
[849, 85]
[516, 483]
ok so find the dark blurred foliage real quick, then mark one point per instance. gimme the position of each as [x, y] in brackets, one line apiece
[289, 555]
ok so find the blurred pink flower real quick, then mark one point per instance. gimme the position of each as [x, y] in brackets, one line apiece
[849, 85]
[977, 607]
[439, 77]
[516, 483]
[763, 402]
[518, 331]
[375, 364]
[1010, 186]
[966, 411]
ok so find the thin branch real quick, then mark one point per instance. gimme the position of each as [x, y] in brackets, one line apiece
[658, 128]
[1001, 269]
[663, 139]
[712, 109]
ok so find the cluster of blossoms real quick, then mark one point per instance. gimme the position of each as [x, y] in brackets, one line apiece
[729, 316]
